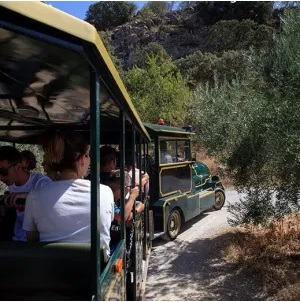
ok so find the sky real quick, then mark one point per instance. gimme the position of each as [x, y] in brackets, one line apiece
[79, 8]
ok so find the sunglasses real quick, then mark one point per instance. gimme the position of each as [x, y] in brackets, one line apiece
[4, 171]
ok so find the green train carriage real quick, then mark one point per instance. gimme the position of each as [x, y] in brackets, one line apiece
[180, 188]
[55, 74]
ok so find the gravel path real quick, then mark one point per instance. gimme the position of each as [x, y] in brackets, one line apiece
[191, 268]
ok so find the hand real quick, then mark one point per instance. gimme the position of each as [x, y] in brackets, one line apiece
[145, 179]
[134, 192]
[10, 199]
[140, 207]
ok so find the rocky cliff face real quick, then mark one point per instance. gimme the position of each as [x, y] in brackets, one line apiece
[178, 32]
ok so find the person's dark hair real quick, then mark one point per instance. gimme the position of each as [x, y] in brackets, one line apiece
[62, 149]
[107, 154]
[11, 154]
[129, 160]
[30, 157]
[163, 145]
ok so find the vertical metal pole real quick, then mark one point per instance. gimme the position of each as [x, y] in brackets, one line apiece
[133, 153]
[134, 226]
[139, 162]
[155, 193]
[145, 158]
[95, 183]
[146, 209]
[122, 169]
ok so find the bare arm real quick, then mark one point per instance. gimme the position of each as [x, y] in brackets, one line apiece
[134, 193]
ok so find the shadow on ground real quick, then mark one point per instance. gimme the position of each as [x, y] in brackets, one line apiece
[195, 270]
[186, 226]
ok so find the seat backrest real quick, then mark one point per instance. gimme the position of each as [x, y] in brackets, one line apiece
[45, 271]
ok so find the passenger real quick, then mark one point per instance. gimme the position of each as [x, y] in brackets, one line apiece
[61, 211]
[165, 156]
[51, 174]
[108, 162]
[114, 181]
[28, 160]
[145, 176]
[20, 182]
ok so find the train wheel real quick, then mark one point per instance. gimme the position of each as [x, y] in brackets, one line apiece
[219, 199]
[173, 225]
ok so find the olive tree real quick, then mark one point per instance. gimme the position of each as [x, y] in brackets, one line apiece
[109, 14]
[252, 125]
[158, 90]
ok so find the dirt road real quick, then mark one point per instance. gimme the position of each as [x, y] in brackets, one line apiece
[191, 268]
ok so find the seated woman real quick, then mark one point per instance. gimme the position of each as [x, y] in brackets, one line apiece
[114, 181]
[60, 211]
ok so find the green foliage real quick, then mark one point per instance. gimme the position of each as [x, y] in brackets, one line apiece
[201, 68]
[157, 7]
[109, 14]
[184, 4]
[140, 55]
[212, 12]
[255, 208]
[106, 39]
[145, 13]
[158, 90]
[235, 35]
[225, 108]
[254, 126]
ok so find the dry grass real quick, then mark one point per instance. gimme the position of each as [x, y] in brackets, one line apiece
[271, 254]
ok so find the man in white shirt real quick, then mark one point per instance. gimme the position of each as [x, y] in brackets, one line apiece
[20, 182]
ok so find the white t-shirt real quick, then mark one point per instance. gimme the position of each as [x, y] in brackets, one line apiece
[36, 180]
[60, 212]
[165, 157]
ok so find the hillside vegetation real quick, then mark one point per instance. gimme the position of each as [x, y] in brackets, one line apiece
[231, 70]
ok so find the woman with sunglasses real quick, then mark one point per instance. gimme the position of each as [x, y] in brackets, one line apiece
[60, 212]
[20, 182]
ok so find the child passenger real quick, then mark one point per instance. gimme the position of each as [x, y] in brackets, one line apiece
[60, 211]
[114, 181]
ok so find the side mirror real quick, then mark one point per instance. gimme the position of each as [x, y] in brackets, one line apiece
[193, 156]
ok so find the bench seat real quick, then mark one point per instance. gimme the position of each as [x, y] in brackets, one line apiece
[45, 271]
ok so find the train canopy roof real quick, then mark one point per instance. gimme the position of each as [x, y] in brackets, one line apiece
[46, 60]
[166, 131]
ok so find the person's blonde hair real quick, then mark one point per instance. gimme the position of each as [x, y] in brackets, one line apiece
[63, 149]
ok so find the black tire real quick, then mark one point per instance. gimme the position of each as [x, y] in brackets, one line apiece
[173, 226]
[219, 199]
